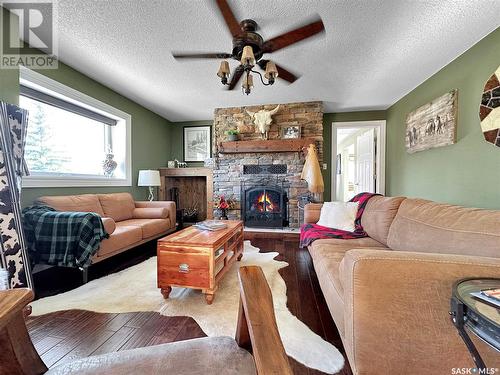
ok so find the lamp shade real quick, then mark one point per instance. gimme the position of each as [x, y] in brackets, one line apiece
[247, 56]
[149, 177]
[223, 69]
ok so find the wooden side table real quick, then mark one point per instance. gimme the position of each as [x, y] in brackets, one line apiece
[198, 259]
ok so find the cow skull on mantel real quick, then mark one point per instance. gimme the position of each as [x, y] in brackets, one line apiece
[262, 120]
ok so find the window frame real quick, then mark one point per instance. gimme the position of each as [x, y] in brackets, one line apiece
[51, 87]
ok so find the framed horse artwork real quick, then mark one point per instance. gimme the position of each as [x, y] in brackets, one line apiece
[433, 124]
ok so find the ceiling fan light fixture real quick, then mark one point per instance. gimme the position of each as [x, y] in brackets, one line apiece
[271, 72]
[247, 56]
[247, 84]
[224, 71]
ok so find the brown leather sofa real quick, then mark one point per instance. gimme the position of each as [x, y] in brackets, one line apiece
[389, 293]
[129, 223]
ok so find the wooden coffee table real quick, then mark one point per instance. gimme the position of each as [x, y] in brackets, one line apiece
[198, 259]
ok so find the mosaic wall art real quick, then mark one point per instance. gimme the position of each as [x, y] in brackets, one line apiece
[433, 124]
[489, 112]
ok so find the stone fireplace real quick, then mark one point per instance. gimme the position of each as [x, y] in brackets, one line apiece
[266, 172]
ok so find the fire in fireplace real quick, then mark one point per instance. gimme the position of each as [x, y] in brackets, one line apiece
[265, 207]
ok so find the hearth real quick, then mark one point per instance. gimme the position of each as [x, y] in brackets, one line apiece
[264, 206]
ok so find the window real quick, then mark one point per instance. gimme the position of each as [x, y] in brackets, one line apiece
[71, 137]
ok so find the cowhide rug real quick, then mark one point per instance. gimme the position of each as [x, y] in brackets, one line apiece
[134, 289]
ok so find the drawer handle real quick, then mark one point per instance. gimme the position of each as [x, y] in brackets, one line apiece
[184, 267]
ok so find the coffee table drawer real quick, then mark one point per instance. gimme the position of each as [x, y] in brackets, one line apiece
[183, 269]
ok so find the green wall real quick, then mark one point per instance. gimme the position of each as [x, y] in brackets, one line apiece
[328, 119]
[150, 135]
[177, 139]
[467, 173]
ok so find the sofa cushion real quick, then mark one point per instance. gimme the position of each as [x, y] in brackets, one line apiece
[119, 206]
[338, 215]
[204, 356]
[425, 226]
[74, 203]
[122, 237]
[378, 216]
[150, 213]
[149, 227]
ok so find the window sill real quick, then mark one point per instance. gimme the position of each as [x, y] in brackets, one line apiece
[37, 182]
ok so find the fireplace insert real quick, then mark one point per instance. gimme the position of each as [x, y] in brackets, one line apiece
[264, 207]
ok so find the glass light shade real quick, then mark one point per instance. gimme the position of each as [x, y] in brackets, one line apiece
[248, 83]
[223, 69]
[271, 70]
[149, 178]
[247, 56]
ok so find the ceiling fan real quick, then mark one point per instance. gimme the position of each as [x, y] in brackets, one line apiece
[249, 47]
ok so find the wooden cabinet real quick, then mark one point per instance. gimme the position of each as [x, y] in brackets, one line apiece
[195, 186]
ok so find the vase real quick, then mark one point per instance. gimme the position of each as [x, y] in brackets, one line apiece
[109, 165]
[223, 214]
[232, 137]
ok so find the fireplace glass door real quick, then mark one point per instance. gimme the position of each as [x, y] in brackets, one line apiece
[265, 207]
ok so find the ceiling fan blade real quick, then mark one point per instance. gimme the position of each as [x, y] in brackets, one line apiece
[201, 55]
[238, 72]
[227, 13]
[282, 72]
[293, 36]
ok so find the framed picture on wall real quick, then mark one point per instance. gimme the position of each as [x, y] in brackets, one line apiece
[197, 143]
[290, 132]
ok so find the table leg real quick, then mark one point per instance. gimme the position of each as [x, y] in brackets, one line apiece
[241, 247]
[209, 298]
[166, 291]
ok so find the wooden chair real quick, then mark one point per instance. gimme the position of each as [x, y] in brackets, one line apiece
[256, 332]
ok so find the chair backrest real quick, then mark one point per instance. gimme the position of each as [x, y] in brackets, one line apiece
[257, 330]
[17, 353]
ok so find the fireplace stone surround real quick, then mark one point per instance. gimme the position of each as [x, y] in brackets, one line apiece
[232, 171]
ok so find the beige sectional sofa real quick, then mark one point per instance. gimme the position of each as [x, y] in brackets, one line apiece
[129, 223]
[389, 293]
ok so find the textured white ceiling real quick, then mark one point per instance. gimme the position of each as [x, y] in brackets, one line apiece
[373, 52]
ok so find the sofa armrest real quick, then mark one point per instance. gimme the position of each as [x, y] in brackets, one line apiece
[400, 301]
[312, 212]
[109, 224]
[169, 205]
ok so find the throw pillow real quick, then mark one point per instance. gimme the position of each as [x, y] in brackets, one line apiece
[339, 215]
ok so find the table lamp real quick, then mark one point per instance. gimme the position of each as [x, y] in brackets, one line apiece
[150, 178]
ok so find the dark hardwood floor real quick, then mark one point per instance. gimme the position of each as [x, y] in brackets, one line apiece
[66, 335]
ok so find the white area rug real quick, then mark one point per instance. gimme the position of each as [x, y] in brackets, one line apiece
[134, 289]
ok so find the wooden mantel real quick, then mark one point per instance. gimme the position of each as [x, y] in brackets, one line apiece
[272, 145]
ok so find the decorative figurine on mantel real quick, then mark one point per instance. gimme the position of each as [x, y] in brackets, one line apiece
[223, 205]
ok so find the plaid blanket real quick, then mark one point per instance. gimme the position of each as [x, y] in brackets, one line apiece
[62, 238]
[311, 232]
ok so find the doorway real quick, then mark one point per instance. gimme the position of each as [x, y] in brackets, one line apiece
[358, 158]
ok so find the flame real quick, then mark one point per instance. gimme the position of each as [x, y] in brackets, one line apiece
[268, 206]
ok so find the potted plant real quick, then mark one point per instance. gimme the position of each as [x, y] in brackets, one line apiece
[223, 205]
[232, 135]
